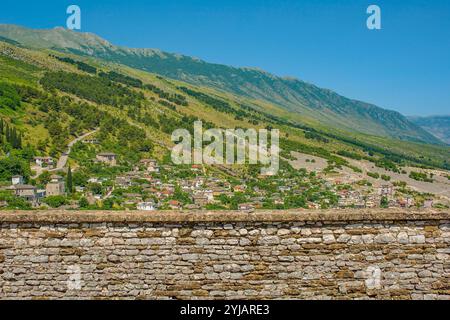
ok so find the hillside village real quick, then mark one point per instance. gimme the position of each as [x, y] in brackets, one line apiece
[150, 186]
[87, 135]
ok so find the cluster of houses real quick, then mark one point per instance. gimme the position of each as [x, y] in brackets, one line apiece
[201, 189]
[361, 199]
[44, 162]
[55, 187]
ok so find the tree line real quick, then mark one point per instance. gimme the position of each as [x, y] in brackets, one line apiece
[10, 135]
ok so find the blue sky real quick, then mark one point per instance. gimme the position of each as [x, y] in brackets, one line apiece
[404, 67]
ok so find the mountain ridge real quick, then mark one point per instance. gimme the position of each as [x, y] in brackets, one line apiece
[294, 95]
[438, 125]
[46, 80]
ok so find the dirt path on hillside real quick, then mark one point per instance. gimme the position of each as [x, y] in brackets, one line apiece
[62, 161]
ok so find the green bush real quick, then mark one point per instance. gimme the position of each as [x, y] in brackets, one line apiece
[55, 201]
[83, 203]
[14, 202]
[384, 203]
[420, 176]
[373, 175]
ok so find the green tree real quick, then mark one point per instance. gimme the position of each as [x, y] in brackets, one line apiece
[295, 201]
[181, 196]
[55, 201]
[83, 203]
[108, 203]
[384, 203]
[13, 165]
[69, 181]
[95, 188]
[44, 178]
[80, 178]
[14, 202]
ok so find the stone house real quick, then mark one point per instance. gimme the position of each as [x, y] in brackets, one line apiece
[386, 190]
[247, 207]
[240, 188]
[25, 191]
[151, 165]
[94, 180]
[17, 180]
[41, 193]
[108, 158]
[200, 200]
[370, 203]
[405, 202]
[123, 181]
[174, 205]
[284, 188]
[278, 201]
[218, 191]
[44, 161]
[196, 168]
[91, 141]
[136, 197]
[209, 194]
[56, 186]
[146, 206]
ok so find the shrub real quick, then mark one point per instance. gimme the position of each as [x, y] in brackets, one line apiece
[83, 203]
[384, 203]
[373, 175]
[55, 201]
[420, 176]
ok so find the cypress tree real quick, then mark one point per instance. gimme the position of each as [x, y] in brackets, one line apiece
[69, 181]
[8, 139]
[14, 138]
[1, 131]
[19, 141]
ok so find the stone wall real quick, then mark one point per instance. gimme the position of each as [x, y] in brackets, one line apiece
[264, 255]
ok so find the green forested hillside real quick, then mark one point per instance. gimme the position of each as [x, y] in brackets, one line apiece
[47, 99]
[313, 104]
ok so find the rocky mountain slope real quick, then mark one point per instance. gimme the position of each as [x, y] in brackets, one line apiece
[439, 126]
[312, 103]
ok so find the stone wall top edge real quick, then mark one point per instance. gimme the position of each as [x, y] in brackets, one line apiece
[61, 216]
